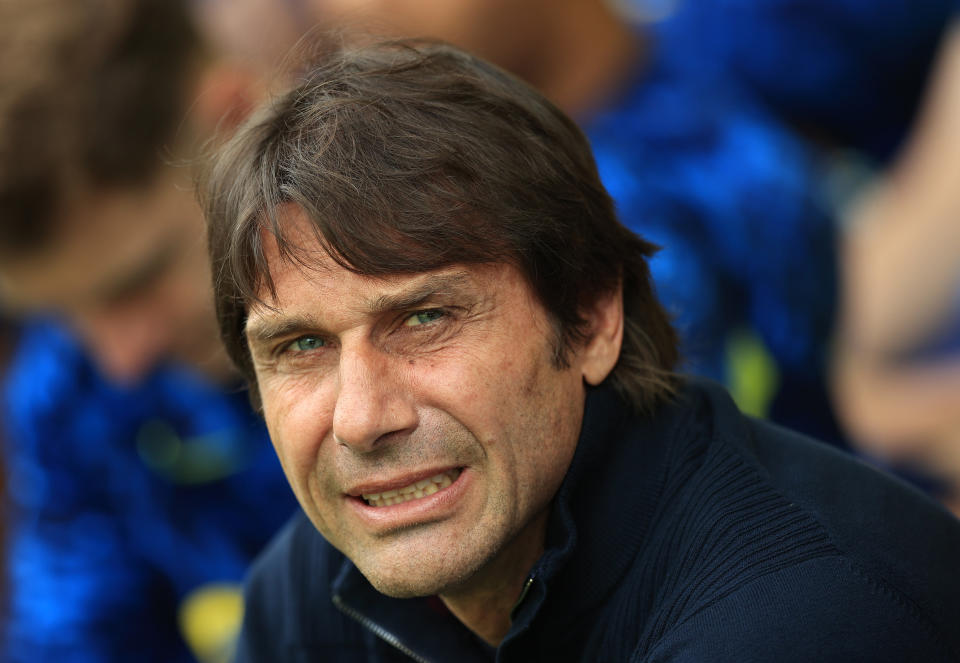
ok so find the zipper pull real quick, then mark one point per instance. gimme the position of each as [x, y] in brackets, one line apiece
[523, 594]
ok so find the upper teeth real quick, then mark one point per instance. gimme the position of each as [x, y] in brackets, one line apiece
[415, 490]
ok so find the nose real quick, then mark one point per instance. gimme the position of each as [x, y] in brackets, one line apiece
[124, 344]
[374, 400]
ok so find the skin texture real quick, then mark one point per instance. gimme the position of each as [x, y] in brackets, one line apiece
[369, 383]
[128, 270]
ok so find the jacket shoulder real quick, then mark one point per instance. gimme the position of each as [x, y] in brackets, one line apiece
[824, 609]
[777, 539]
[881, 524]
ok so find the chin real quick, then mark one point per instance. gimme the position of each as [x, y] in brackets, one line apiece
[425, 576]
[407, 587]
[403, 589]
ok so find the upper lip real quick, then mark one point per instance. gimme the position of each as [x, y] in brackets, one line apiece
[381, 485]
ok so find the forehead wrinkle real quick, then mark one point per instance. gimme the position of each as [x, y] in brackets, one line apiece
[431, 286]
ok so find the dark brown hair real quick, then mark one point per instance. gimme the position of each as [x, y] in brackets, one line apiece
[91, 94]
[409, 156]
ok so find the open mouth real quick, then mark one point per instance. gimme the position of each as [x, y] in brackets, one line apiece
[414, 491]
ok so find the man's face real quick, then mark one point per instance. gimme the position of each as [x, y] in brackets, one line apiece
[419, 418]
[128, 271]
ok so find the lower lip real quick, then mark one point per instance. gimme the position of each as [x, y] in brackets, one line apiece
[431, 507]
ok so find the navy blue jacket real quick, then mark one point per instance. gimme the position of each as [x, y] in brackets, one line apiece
[697, 534]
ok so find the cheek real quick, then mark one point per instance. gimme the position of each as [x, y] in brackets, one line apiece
[298, 411]
[472, 391]
[549, 409]
[496, 395]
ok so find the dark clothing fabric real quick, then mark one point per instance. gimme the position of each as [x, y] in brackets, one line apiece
[697, 534]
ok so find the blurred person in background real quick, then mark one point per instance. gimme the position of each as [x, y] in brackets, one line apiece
[857, 75]
[897, 365]
[141, 481]
[747, 269]
[846, 75]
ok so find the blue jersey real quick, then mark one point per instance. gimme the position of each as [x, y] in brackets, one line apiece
[735, 199]
[126, 501]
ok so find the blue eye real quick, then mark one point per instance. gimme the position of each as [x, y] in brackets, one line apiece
[423, 317]
[307, 343]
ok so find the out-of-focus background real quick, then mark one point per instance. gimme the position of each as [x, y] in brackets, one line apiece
[796, 160]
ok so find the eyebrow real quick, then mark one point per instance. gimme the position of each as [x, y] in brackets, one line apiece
[432, 286]
[263, 330]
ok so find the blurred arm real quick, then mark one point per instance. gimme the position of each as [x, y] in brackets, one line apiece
[901, 257]
[901, 276]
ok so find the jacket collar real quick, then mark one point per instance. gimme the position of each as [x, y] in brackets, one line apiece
[603, 510]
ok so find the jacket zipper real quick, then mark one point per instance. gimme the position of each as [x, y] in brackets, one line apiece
[523, 594]
[376, 629]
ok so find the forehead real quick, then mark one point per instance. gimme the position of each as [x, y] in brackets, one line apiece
[310, 280]
[307, 273]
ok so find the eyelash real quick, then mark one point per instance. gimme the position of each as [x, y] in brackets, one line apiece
[434, 313]
[288, 347]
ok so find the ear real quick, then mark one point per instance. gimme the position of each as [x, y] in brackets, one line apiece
[600, 353]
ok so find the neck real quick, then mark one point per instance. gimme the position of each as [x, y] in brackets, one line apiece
[586, 60]
[484, 604]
